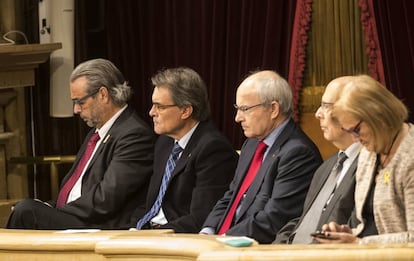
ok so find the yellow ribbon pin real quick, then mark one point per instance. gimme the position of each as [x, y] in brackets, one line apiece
[387, 177]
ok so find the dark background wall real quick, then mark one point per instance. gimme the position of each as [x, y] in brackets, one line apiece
[221, 39]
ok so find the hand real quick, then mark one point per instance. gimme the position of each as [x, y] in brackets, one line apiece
[337, 238]
[336, 233]
[335, 227]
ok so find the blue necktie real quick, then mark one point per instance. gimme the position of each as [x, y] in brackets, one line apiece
[169, 169]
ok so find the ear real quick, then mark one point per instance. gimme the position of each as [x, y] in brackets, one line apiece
[187, 112]
[275, 107]
[104, 94]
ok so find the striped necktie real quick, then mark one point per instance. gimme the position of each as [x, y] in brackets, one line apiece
[169, 169]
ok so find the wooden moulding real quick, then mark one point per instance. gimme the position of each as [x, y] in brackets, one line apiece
[17, 63]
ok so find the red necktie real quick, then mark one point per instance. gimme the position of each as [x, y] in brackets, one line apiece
[248, 179]
[64, 192]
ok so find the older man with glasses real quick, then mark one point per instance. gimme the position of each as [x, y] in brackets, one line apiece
[276, 164]
[331, 193]
[113, 167]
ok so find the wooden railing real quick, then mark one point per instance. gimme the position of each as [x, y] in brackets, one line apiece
[53, 161]
[90, 245]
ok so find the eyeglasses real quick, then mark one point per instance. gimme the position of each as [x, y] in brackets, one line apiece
[326, 105]
[246, 108]
[355, 130]
[82, 100]
[160, 107]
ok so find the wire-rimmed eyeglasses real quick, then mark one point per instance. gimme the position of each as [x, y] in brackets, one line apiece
[246, 108]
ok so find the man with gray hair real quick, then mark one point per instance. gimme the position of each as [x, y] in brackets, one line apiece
[110, 175]
[276, 164]
[193, 162]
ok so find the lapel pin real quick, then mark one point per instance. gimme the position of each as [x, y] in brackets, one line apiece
[387, 175]
[106, 138]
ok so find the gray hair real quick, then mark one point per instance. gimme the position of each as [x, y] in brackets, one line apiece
[103, 73]
[187, 88]
[274, 88]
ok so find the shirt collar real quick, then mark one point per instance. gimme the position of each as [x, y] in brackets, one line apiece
[186, 138]
[107, 126]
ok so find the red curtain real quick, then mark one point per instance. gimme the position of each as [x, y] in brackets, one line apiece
[222, 40]
[373, 49]
[297, 64]
[395, 27]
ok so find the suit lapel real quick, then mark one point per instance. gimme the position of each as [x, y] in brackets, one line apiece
[267, 164]
[181, 163]
[326, 172]
[246, 156]
[189, 148]
[160, 168]
[348, 179]
[254, 188]
[79, 156]
[343, 188]
[100, 148]
[108, 137]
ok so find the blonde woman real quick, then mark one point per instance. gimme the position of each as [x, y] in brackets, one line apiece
[384, 195]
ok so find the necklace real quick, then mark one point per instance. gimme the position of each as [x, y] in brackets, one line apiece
[387, 155]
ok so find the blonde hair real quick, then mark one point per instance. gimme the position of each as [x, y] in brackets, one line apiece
[366, 99]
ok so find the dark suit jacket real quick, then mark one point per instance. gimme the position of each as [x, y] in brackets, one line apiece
[118, 175]
[278, 190]
[201, 176]
[340, 207]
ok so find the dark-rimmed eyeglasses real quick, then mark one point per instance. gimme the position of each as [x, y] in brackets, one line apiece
[82, 100]
[355, 130]
[160, 107]
[246, 108]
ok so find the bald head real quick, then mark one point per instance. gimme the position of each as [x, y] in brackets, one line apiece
[329, 125]
[335, 87]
